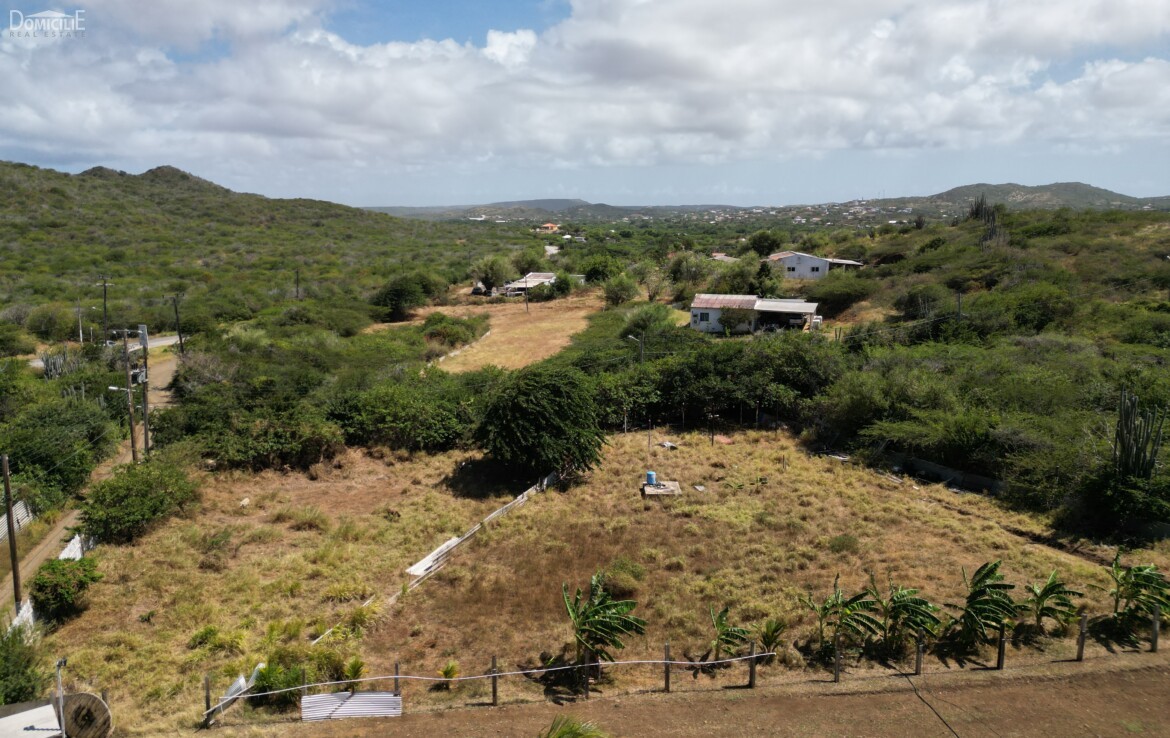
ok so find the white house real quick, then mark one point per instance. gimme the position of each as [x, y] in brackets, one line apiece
[766, 313]
[796, 265]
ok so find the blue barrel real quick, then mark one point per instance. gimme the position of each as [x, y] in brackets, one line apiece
[651, 478]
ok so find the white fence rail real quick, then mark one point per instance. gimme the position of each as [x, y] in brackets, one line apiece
[21, 516]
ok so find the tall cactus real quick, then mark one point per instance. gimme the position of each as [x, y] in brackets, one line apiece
[1138, 438]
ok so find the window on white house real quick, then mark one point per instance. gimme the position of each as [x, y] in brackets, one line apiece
[792, 269]
[704, 317]
[816, 269]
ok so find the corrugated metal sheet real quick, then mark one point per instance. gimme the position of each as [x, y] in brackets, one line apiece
[799, 307]
[345, 705]
[704, 300]
[20, 517]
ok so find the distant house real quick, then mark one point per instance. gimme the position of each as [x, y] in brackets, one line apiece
[528, 281]
[548, 228]
[763, 313]
[797, 265]
[720, 256]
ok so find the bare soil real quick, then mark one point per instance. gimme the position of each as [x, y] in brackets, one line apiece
[1121, 696]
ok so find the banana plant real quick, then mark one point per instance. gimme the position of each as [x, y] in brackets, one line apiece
[988, 604]
[599, 621]
[727, 636]
[849, 616]
[1137, 589]
[1052, 599]
[771, 634]
[901, 613]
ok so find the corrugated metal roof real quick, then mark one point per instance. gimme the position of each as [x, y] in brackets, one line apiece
[847, 262]
[703, 300]
[799, 307]
[782, 254]
[532, 280]
[345, 705]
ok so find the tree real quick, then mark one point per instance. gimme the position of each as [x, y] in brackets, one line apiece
[57, 589]
[600, 268]
[492, 272]
[765, 243]
[24, 671]
[619, 289]
[764, 283]
[530, 260]
[599, 621]
[650, 319]
[400, 295]
[1052, 599]
[542, 419]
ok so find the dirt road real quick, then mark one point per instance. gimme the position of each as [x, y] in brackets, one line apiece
[1123, 695]
[162, 370]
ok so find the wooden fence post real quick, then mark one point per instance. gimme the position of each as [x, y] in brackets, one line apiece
[752, 665]
[836, 658]
[666, 667]
[1081, 637]
[206, 694]
[495, 684]
[919, 646]
[397, 691]
[999, 656]
[588, 661]
[1157, 628]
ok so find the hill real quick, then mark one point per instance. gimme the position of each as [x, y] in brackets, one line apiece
[228, 255]
[1074, 195]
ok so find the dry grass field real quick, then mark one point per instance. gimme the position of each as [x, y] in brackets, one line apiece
[771, 524]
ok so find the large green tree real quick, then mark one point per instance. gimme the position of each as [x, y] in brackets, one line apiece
[543, 419]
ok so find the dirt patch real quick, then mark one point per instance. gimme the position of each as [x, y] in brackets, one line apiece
[519, 336]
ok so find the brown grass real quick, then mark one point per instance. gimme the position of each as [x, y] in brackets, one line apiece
[518, 337]
[297, 558]
[759, 536]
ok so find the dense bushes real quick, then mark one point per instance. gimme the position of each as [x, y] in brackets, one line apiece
[59, 586]
[24, 670]
[128, 504]
[543, 419]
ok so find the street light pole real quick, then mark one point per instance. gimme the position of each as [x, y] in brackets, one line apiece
[129, 397]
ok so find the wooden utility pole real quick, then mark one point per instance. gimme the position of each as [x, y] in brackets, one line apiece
[105, 307]
[11, 534]
[666, 667]
[144, 338]
[178, 325]
[129, 398]
[495, 684]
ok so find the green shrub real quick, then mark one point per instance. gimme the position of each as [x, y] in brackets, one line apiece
[844, 543]
[59, 586]
[128, 504]
[838, 291]
[14, 341]
[24, 670]
[620, 289]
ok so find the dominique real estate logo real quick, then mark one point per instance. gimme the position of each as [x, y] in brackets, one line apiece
[47, 24]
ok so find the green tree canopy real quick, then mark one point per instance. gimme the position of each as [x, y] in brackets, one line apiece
[543, 419]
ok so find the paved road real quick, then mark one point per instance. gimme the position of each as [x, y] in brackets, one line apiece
[156, 342]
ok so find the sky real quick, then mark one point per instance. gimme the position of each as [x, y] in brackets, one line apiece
[628, 102]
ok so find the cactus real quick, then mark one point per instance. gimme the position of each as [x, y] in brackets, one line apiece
[1138, 438]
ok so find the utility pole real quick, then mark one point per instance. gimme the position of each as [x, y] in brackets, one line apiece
[642, 361]
[80, 330]
[11, 534]
[129, 398]
[298, 284]
[105, 306]
[61, 697]
[178, 325]
[145, 340]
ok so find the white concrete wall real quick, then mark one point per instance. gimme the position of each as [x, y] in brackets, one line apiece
[803, 266]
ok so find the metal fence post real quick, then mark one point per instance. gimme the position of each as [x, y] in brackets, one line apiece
[588, 660]
[495, 684]
[206, 694]
[752, 665]
[919, 646]
[666, 667]
[1157, 628]
[396, 689]
[1081, 637]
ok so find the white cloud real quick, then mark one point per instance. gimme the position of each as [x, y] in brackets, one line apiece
[620, 82]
